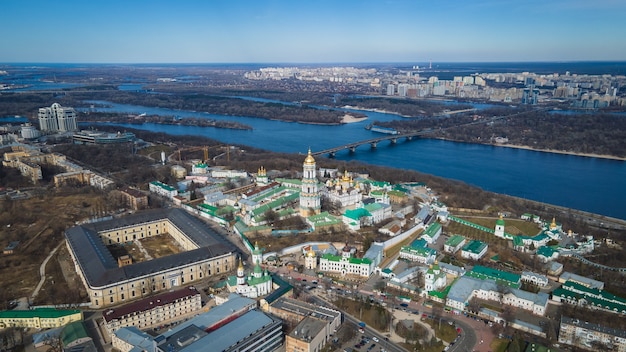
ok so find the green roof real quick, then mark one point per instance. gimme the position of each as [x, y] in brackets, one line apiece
[73, 331]
[419, 243]
[378, 192]
[419, 251]
[324, 219]
[356, 214]
[46, 313]
[546, 251]
[500, 222]
[163, 185]
[396, 193]
[474, 246]
[482, 272]
[432, 230]
[440, 294]
[275, 204]
[594, 297]
[253, 281]
[454, 240]
[337, 258]
[293, 181]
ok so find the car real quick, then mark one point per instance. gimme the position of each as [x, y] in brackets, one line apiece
[459, 330]
[375, 339]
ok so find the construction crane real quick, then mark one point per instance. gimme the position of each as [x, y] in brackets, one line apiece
[192, 149]
[205, 149]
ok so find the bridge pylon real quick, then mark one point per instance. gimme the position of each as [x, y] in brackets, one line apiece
[374, 145]
[352, 149]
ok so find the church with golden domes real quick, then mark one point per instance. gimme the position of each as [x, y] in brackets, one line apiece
[344, 191]
[435, 278]
[256, 284]
[310, 203]
[310, 259]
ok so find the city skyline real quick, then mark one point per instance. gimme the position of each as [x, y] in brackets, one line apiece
[311, 32]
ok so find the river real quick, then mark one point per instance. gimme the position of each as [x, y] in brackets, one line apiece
[590, 184]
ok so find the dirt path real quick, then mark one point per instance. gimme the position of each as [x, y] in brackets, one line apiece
[42, 272]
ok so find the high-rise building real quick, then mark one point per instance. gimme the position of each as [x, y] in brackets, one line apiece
[57, 119]
[391, 89]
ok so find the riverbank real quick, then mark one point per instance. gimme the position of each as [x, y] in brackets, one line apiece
[588, 155]
[347, 118]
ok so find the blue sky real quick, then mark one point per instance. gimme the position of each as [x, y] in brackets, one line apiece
[301, 31]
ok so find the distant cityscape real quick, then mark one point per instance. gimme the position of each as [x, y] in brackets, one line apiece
[586, 91]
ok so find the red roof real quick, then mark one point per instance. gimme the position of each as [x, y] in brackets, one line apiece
[149, 303]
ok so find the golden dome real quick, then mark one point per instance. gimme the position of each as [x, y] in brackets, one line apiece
[309, 159]
[553, 224]
[240, 264]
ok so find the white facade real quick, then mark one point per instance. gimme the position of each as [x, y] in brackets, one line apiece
[465, 288]
[434, 279]
[474, 250]
[536, 279]
[163, 190]
[346, 265]
[310, 203]
[28, 131]
[57, 119]
[155, 311]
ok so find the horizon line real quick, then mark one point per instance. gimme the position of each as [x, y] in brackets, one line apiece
[304, 63]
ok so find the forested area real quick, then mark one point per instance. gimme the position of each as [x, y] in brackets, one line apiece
[219, 105]
[599, 133]
[405, 107]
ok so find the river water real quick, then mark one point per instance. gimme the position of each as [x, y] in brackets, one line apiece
[591, 184]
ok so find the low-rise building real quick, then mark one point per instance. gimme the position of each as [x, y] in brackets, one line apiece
[134, 198]
[162, 189]
[432, 233]
[423, 255]
[474, 250]
[454, 243]
[575, 293]
[592, 337]
[154, 311]
[582, 280]
[308, 336]
[39, 318]
[534, 278]
[345, 264]
[294, 311]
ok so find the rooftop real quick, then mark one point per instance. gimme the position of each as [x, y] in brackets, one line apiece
[149, 303]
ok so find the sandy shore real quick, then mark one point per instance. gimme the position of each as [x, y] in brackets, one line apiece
[602, 156]
[347, 118]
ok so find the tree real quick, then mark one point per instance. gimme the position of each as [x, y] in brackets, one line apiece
[474, 305]
[380, 285]
[271, 216]
[508, 315]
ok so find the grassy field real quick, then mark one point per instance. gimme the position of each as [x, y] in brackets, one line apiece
[38, 223]
[512, 226]
[160, 246]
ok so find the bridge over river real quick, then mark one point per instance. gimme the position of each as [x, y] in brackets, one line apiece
[410, 135]
[373, 142]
